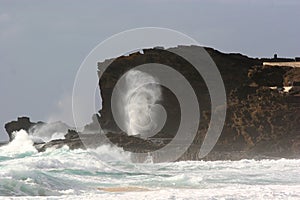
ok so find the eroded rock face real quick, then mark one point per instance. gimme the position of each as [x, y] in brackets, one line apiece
[260, 121]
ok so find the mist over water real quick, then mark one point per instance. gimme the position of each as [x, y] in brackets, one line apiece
[48, 132]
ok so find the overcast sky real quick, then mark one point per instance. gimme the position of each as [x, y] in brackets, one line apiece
[42, 43]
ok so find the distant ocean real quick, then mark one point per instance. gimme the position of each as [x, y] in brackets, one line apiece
[107, 173]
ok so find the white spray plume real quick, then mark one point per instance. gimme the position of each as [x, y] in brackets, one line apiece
[21, 144]
[141, 95]
[48, 132]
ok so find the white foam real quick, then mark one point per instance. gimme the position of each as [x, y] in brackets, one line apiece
[21, 144]
[48, 132]
[112, 153]
[80, 172]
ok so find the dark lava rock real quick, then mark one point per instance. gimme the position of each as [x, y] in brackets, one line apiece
[77, 140]
[260, 122]
[21, 123]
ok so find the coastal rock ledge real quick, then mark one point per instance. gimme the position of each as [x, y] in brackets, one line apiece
[262, 119]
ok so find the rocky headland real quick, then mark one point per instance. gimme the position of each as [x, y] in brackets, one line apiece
[262, 119]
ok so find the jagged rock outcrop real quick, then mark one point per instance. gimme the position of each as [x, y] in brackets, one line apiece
[21, 123]
[91, 138]
[262, 121]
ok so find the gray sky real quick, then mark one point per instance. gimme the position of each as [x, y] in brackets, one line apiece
[42, 43]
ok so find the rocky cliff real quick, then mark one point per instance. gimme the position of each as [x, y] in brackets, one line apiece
[262, 119]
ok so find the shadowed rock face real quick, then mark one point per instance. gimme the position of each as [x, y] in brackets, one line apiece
[260, 122]
[21, 123]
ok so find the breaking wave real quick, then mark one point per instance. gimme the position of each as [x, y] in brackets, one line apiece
[107, 173]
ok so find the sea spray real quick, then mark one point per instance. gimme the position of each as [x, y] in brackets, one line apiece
[77, 174]
[111, 153]
[24, 171]
[21, 144]
[48, 132]
[141, 94]
[69, 173]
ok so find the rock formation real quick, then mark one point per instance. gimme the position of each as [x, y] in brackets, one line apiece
[21, 123]
[262, 119]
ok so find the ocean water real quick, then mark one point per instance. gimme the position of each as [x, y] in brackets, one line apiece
[108, 173]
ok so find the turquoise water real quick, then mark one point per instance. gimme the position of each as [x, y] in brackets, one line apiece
[108, 173]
